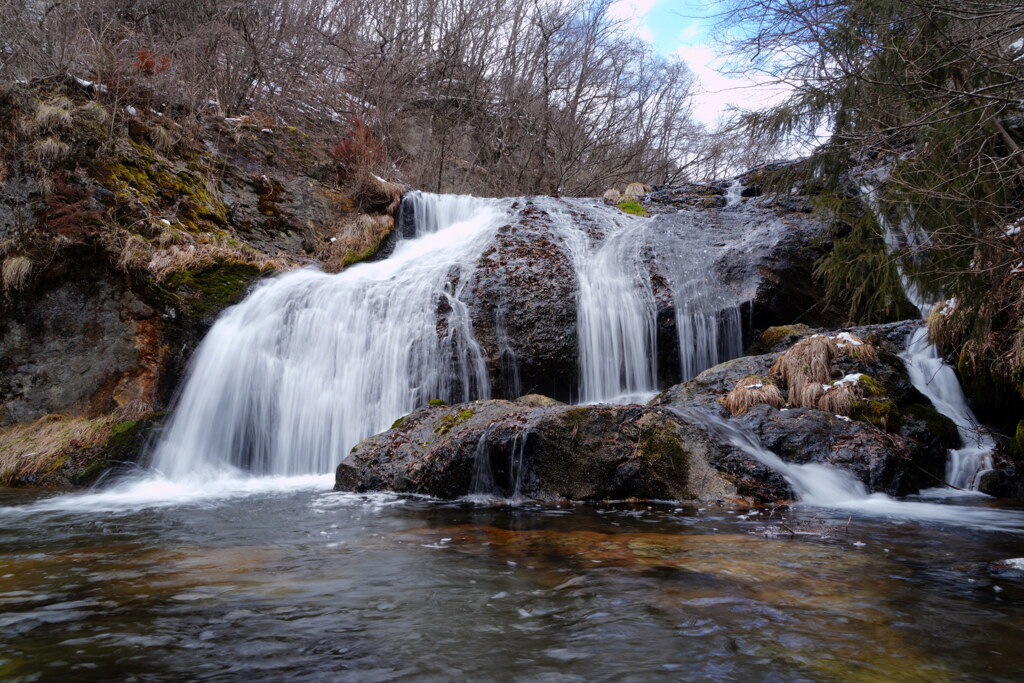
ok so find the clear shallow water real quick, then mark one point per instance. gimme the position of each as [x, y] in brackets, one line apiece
[294, 582]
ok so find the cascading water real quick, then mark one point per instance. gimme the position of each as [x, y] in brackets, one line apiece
[290, 379]
[616, 257]
[310, 363]
[927, 370]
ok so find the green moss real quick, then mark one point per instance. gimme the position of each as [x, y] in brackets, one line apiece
[663, 442]
[937, 423]
[445, 424]
[882, 413]
[872, 387]
[210, 289]
[776, 335]
[398, 423]
[632, 207]
[1016, 445]
[437, 402]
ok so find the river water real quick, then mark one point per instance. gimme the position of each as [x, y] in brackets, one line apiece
[290, 581]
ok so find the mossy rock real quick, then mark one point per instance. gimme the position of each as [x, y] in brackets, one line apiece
[208, 290]
[881, 412]
[446, 423]
[632, 207]
[1015, 446]
[773, 336]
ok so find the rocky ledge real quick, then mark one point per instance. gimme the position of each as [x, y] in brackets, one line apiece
[891, 438]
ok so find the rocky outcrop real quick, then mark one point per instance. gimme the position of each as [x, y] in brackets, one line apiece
[539, 449]
[522, 299]
[123, 233]
[897, 447]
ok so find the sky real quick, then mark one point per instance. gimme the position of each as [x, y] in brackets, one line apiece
[683, 28]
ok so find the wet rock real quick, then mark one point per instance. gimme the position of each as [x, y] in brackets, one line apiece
[898, 451]
[522, 299]
[530, 448]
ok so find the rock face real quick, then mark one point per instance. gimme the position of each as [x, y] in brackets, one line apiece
[540, 449]
[748, 263]
[522, 299]
[129, 243]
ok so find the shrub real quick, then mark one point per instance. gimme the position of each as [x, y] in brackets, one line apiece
[360, 151]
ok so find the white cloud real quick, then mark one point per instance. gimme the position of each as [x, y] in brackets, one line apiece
[633, 12]
[717, 91]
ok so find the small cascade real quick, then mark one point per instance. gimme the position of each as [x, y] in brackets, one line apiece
[485, 487]
[934, 378]
[928, 372]
[616, 256]
[310, 363]
[812, 483]
[733, 193]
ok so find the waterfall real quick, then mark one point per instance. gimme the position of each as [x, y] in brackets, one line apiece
[616, 256]
[812, 483]
[927, 370]
[287, 381]
[310, 363]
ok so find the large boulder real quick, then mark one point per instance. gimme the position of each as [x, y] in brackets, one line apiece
[522, 300]
[540, 449]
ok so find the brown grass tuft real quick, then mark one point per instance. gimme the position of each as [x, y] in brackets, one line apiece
[809, 359]
[165, 262]
[15, 272]
[51, 117]
[853, 346]
[32, 448]
[612, 196]
[634, 191]
[49, 151]
[163, 140]
[356, 239]
[94, 111]
[750, 391]
[842, 397]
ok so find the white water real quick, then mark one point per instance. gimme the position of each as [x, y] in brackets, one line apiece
[928, 372]
[614, 254]
[310, 363]
[286, 382]
[830, 487]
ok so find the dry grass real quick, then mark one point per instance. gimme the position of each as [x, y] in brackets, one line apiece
[49, 151]
[50, 117]
[163, 140]
[806, 395]
[135, 252]
[165, 262]
[356, 238]
[94, 111]
[612, 196]
[842, 397]
[15, 272]
[853, 346]
[34, 448]
[750, 391]
[806, 363]
[375, 195]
